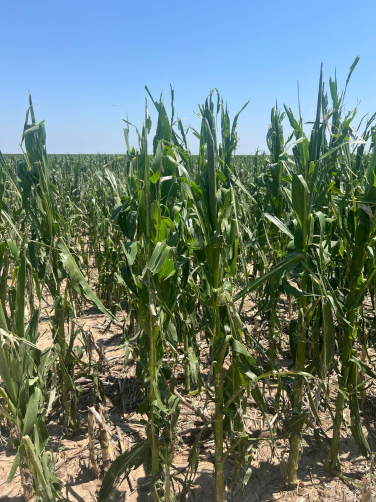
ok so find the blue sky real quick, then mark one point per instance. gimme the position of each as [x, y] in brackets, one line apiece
[79, 58]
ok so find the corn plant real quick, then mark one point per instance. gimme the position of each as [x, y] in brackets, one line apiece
[145, 220]
[35, 191]
[216, 252]
[314, 162]
[23, 394]
[275, 142]
[355, 215]
[303, 194]
[220, 241]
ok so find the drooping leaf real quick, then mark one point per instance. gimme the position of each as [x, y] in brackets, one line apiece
[78, 281]
[122, 465]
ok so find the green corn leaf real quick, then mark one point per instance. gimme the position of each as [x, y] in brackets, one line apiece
[300, 200]
[194, 366]
[279, 224]
[167, 270]
[290, 260]
[6, 371]
[32, 333]
[14, 467]
[127, 276]
[246, 371]
[328, 334]
[157, 164]
[158, 403]
[131, 248]
[159, 256]
[239, 348]
[122, 465]
[13, 249]
[37, 469]
[5, 412]
[289, 289]
[3, 322]
[363, 367]
[78, 280]
[352, 68]
[193, 458]
[312, 405]
[260, 401]
[356, 426]
[20, 298]
[32, 410]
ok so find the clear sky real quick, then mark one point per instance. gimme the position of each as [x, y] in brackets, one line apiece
[79, 58]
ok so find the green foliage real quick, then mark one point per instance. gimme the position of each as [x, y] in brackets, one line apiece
[169, 247]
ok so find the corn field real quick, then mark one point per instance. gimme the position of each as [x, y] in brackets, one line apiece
[239, 294]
